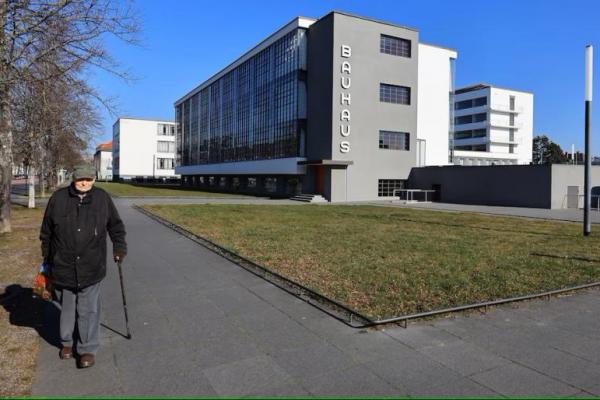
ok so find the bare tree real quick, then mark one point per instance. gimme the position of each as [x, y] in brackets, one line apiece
[48, 40]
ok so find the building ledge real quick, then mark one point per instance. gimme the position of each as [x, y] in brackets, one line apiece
[326, 162]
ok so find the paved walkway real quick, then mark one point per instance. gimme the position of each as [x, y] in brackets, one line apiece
[202, 326]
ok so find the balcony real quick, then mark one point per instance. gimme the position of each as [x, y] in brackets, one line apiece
[504, 125]
[485, 155]
[472, 110]
[470, 126]
[505, 108]
[471, 141]
[497, 140]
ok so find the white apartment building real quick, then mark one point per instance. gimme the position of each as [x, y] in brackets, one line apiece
[492, 126]
[143, 149]
[103, 161]
[436, 84]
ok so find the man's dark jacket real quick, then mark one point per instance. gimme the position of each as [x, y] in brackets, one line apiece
[73, 236]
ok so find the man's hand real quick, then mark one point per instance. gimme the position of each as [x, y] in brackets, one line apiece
[119, 257]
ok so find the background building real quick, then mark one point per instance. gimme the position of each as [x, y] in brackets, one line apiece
[492, 126]
[143, 149]
[325, 107]
[103, 161]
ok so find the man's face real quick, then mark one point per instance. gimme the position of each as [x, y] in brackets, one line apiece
[84, 184]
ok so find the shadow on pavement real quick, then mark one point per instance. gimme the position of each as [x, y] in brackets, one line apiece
[29, 311]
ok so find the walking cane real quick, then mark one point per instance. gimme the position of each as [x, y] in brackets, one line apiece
[124, 301]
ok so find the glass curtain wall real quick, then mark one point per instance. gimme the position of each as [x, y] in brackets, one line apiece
[251, 113]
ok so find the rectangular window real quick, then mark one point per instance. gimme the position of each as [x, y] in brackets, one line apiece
[461, 105]
[465, 119]
[386, 187]
[394, 46]
[165, 163]
[270, 185]
[165, 147]
[394, 140]
[481, 101]
[394, 94]
[479, 117]
[166, 130]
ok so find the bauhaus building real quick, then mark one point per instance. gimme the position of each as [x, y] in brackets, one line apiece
[342, 106]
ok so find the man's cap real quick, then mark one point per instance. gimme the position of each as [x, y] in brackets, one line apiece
[84, 171]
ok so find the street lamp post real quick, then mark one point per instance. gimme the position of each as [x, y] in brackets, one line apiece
[589, 54]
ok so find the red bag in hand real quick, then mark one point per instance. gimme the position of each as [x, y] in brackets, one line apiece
[42, 287]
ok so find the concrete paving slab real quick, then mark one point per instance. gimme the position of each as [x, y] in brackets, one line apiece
[252, 375]
[225, 350]
[422, 336]
[412, 371]
[465, 358]
[353, 381]
[462, 387]
[516, 380]
[313, 360]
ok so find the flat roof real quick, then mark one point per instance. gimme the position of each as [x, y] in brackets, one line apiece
[370, 19]
[479, 86]
[439, 47]
[146, 119]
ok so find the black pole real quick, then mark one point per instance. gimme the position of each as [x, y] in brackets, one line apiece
[587, 226]
[124, 300]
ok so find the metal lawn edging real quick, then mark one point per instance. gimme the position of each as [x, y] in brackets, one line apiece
[331, 306]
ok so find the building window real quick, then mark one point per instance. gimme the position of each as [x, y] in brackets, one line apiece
[465, 119]
[479, 117]
[481, 101]
[394, 140]
[165, 163]
[165, 147]
[166, 130]
[478, 102]
[250, 113]
[461, 105]
[394, 46]
[270, 185]
[394, 94]
[387, 186]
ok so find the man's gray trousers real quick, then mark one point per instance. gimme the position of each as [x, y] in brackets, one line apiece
[80, 306]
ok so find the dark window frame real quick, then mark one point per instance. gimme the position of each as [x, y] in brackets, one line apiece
[395, 46]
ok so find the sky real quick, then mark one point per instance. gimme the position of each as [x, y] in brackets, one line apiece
[531, 45]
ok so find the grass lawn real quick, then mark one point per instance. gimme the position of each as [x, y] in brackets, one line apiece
[125, 189]
[388, 262]
[20, 255]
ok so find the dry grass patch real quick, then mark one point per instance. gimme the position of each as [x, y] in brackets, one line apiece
[388, 262]
[19, 256]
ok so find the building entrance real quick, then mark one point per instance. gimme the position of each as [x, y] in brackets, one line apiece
[319, 179]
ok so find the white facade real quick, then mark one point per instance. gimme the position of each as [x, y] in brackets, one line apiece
[492, 126]
[143, 149]
[433, 111]
[103, 162]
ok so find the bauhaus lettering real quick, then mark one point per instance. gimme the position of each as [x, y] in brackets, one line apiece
[345, 98]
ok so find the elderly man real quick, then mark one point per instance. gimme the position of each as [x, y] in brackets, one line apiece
[73, 236]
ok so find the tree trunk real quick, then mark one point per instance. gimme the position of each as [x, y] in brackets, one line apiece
[5, 158]
[31, 187]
